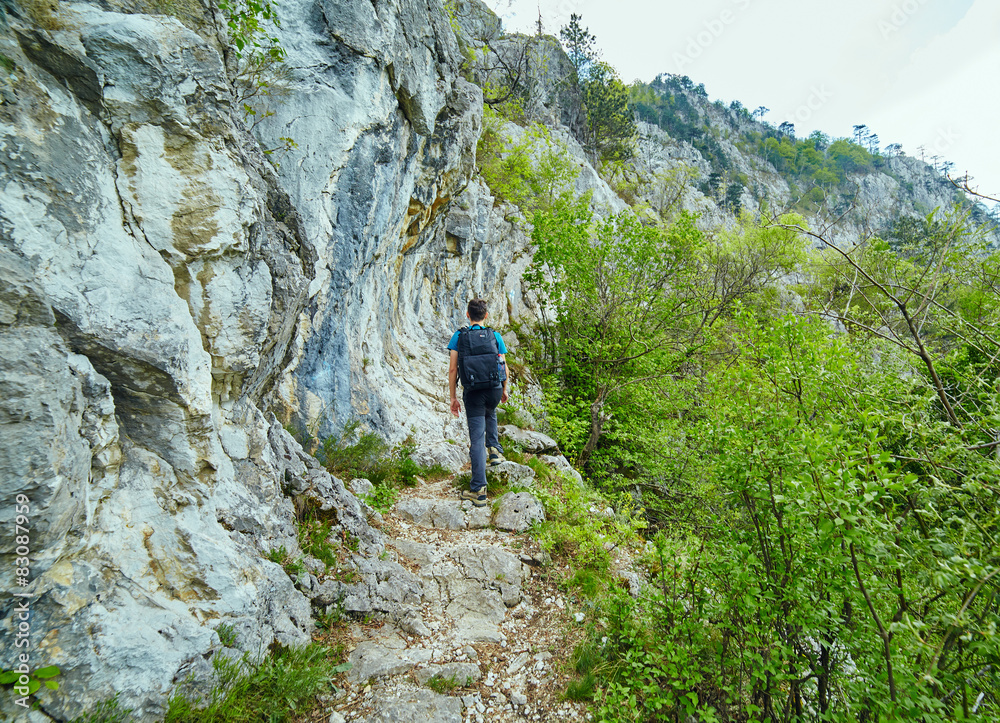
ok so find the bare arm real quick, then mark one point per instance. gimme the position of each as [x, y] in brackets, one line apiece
[453, 383]
[506, 378]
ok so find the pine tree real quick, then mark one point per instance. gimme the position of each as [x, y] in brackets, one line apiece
[580, 45]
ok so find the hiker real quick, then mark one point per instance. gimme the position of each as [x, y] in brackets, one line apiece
[477, 358]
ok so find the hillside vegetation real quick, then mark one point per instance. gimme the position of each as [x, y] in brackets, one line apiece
[799, 393]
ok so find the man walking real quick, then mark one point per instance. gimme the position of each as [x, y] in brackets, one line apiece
[478, 358]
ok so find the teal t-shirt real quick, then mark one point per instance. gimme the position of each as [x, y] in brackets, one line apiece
[453, 344]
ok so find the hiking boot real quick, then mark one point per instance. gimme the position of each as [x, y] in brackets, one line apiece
[476, 498]
[495, 456]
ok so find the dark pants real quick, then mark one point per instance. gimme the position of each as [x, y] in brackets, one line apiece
[481, 414]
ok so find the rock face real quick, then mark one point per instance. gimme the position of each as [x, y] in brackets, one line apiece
[161, 285]
[150, 264]
[164, 287]
[386, 131]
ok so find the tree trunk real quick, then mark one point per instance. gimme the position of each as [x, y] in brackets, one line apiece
[597, 420]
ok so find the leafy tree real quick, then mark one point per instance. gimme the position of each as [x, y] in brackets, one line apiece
[617, 288]
[631, 304]
[734, 194]
[525, 167]
[848, 157]
[929, 296]
[819, 140]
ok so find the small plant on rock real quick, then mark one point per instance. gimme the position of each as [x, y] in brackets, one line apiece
[314, 539]
[108, 711]
[227, 634]
[25, 684]
[382, 497]
[442, 685]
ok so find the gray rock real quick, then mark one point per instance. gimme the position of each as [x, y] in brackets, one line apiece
[417, 705]
[360, 487]
[419, 552]
[529, 441]
[477, 613]
[388, 656]
[477, 518]
[413, 623]
[489, 565]
[541, 558]
[518, 511]
[509, 473]
[519, 661]
[443, 514]
[561, 464]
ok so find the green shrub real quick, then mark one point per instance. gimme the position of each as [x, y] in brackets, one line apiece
[535, 172]
[281, 556]
[382, 498]
[227, 634]
[314, 539]
[353, 454]
[280, 687]
[442, 685]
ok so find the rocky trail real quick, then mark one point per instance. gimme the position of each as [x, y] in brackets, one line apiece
[484, 634]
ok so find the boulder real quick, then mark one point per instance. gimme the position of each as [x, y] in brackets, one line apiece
[561, 464]
[518, 511]
[529, 441]
[461, 673]
[508, 474]
[418, 705]
[442, 514]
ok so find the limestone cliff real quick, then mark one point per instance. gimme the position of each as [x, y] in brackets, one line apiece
[164, 289]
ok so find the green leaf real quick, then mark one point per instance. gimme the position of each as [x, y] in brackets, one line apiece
[50, 671]
[8, 677]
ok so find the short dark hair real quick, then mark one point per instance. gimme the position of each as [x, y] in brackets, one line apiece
[477, 309]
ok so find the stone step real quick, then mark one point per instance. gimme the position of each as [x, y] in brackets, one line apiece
[515, 512]
[412, 704]
[443, 514]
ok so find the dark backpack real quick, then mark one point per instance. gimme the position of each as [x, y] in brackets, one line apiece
[478, 358]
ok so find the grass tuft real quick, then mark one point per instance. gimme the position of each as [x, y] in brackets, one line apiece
[280, 687]
[108, 711]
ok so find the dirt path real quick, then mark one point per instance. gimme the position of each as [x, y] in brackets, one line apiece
[493, 635]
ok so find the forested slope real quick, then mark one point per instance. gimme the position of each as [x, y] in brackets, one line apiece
[784, 353]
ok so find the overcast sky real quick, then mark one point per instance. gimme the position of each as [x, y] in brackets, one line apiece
[917, 72]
